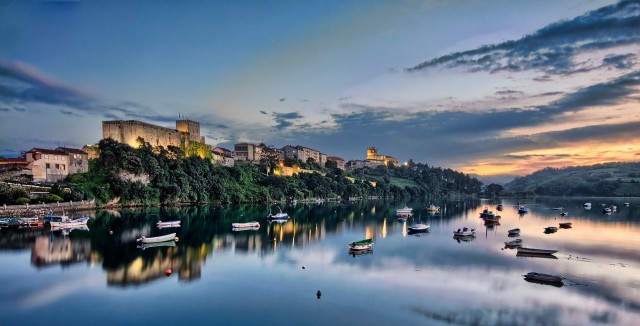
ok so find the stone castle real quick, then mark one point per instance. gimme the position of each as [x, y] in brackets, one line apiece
[372, 155]
[187, 132]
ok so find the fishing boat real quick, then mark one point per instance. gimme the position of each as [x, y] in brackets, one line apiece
[464, 232]
[70, 223]
[416, 228]
[406, 211]
[535, 251]
[514, 231]
[543, 277]
[523, 209]
[433, 208]
[168, 224]
[279, 216]
[162, 238]
[365, 244]
[486, 213]
[513, 243]
[565, 225]
[253, 224]
[550, 229]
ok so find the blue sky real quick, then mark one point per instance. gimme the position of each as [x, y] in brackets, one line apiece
[496, 88]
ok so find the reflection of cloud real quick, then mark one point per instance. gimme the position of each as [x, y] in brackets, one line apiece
[56, 292]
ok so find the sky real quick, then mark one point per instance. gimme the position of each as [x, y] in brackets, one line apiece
[493, 88]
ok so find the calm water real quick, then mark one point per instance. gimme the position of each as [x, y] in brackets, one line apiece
[222, 277]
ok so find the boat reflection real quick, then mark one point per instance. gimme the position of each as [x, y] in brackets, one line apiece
[355, 253]
[464, 238]
[556, 284]
[157, 244]
[525, 255]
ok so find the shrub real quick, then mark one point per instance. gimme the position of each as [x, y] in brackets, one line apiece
[23, 200]
[51, 198]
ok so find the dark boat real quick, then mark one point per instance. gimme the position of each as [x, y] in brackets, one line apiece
[525, 255]
[536, 251]
[499, 207]
[550, 229]
[565, 225]
[541, 277]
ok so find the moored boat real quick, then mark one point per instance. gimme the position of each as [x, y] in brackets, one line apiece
[536, 251]
[499, 207]
[514, 231]
[162, 238]
[168, 224]
[486, 213]
[365, 244]
[550, 229]
[433, 208]
[587, 205]
[626, 204]
[418, 228]
[70, 223]
[144, 246]
[565, 225]
[278, 216]
[494, 219]
[464, 232]
[248, 225]
[522, 209]
[543, 277]
[406, 211]
[513, 243]
[563, 214]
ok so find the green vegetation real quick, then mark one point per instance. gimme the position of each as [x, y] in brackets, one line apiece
[154, 176]
[608, 179]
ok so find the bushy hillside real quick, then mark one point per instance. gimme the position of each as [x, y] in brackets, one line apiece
[607, 179]
[154, 175]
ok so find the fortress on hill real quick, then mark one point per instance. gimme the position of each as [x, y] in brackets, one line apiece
[186, 136]
[372, 155]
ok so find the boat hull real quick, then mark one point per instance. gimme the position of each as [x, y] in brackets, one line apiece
[163, 238]
[535, 251]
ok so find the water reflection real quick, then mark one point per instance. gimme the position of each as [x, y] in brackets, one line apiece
[595, 248]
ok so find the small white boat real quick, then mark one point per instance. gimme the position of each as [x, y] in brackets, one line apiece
[523, 209]
[247, 225]
[70, 223]
[162, 238]
[606, 210]
[406, 211]
[365, 244]
[278, 216]
[464, 232]
[157, 244]
[418, 228]
[587, 205]
[168, 224]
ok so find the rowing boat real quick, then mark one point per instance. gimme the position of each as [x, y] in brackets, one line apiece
[365, 244]
[168, 224]
[162, 238]
[536, 251]
[543, 277]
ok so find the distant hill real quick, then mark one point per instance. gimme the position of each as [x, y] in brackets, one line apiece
[607, 179]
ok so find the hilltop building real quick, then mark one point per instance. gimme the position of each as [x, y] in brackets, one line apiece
[223, 156]
[339, 161]
[52, 165]
[304, 154]
[186, 136]
[374, 157]
[246, 152]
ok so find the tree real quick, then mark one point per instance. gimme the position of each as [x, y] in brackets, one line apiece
[494, 189]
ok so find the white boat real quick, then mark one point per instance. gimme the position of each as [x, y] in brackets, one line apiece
[536, 251]
[170, 243]
[587, 205]
[404, 211]
[464, 232]
[248, 225]
[418, 228]
[433, 208]
[162, 238]
[278, 216]
[70, 223]
[606, 210]
[168, 224]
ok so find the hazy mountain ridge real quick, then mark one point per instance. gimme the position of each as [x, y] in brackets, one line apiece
[606, 179]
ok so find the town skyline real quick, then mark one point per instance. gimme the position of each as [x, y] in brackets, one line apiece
[494, 88]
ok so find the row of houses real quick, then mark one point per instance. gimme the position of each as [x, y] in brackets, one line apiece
[254, 153]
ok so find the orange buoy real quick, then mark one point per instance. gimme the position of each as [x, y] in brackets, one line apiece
[167, 272]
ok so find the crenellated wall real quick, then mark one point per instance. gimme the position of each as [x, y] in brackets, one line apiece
[128, 132]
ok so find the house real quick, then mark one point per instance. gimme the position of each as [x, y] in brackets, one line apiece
[49, 165]
[304, 154]
[222, 156]
[339, 161]
[246, 152]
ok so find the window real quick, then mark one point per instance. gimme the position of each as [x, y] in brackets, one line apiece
[48, 166]
[62, 167]
[46, 156]
[57, 166]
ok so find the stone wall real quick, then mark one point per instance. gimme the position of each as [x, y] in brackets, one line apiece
[43, 209]
[127, 132]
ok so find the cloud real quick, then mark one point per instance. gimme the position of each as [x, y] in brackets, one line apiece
[553, 48]
[620, 61]
[509, 92]
[284, 120]
[4, 110]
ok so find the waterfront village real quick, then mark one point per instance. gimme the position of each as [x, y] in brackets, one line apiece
[52, 165]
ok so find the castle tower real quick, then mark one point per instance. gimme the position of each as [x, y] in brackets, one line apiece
[372, 153]
[192, 127]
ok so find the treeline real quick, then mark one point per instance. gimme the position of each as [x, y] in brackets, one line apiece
[155, 175]
[607, 179]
